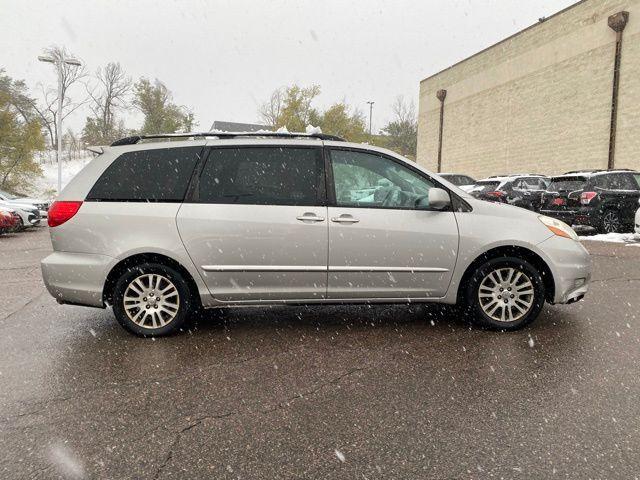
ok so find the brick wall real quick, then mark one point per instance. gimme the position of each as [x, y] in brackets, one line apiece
[539, 101]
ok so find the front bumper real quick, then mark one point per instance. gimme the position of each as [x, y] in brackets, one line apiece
[76, 278]
[570, 264]
[34, 219]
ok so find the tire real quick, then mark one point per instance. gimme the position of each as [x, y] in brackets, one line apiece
[146, 316]
[19, 226]
[610, 222]
[484, 297]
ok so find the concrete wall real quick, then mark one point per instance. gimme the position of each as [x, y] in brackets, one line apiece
[539, 101]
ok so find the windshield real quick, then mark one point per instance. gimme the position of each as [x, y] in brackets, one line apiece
[7, 195]
[485, 186]
[567, 184]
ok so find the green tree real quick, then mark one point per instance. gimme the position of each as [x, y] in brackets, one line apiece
[402, 131]
[341, 120]
[161, 115]
[290, 107]
[20, 136]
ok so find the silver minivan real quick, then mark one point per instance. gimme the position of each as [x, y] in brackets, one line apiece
[159, 227]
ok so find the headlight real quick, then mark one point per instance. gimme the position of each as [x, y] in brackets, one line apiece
[558, 228]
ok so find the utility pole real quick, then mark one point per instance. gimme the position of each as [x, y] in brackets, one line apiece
[616, 22]
[441, 95]
[58, 63]
[370, 114]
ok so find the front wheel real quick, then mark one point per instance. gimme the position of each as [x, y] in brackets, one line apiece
[505, 293]
[151, 300]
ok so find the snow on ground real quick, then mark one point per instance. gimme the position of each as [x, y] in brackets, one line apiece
[628, 238]
[46, 186]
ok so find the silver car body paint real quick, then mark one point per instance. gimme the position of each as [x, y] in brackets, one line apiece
[258, 254]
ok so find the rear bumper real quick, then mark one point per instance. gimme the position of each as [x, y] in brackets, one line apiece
[570, 264]
[76, 278]
[587, 216]
[567, 216]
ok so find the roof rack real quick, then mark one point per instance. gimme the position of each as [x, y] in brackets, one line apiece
[586, 170]
[600, 170]
[225, 135]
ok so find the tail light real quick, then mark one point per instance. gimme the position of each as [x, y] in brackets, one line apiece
[497, 194]
[60, 212]
[586, 197]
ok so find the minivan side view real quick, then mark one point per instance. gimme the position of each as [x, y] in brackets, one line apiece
[159, 229]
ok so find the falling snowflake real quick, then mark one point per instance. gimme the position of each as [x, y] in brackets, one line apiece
[531, 342]
[340, 455]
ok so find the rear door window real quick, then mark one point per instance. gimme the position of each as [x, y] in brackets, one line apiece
[263, 176]
[155, 175]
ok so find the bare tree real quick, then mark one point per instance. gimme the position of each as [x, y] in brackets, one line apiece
[402, 132]
[110, 94]
[48, 106]
[271, 110]
[404, 112]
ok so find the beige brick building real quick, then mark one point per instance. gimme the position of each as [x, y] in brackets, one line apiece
[540, 100]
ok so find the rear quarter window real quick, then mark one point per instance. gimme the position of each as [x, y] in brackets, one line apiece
[157, 175]
[567, 184]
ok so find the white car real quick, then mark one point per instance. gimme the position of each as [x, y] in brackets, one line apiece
[29, 214]
[463, 182]
[41, 205]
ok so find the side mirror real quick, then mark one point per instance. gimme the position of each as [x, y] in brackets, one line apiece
[439, 199]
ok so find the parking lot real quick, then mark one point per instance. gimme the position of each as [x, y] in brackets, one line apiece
[321, 392]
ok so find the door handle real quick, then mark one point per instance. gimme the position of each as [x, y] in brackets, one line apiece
[310, 217]
[344, 219]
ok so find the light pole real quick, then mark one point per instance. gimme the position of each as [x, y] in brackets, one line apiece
[370, 114]
[58, 64]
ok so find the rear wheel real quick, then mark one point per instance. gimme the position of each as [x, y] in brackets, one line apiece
[611, 222]
[151, 300]
[505, 293]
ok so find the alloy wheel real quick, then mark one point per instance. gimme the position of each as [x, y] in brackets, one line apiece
[506, 294]
[151, 301]
[610, 222]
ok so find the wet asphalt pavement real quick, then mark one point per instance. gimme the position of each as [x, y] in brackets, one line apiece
[321, 392]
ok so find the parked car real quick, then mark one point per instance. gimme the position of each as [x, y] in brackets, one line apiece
[464, 182]
[8, 220]
[41, 205]
[520, 190]
[603, 199]
[28, 215]
[160, 229]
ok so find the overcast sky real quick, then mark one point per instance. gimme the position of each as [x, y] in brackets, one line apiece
[222, 59]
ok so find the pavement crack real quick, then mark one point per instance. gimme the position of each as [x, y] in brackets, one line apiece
[309, 393]
[178, 434]
[615, 279]
[31, 300]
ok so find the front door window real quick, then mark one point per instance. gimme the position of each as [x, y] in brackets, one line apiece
[369, 180]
